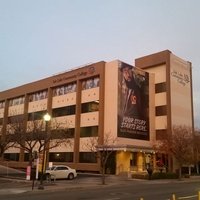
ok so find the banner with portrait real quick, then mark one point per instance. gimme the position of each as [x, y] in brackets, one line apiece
[133, 103]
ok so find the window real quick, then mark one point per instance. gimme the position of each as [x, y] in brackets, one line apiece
[160, 87]
[2, 104]
[26, 157]
[64, 89]
[61, 157]
[90, 83]
[161, 110]
[90, 131]
[11, 156]
[36, 115]
[38, 96]
[161, 134]
[87, 157]
[90, 107]
[133, 161]
[1, 121]
[16, 101]
[63, 133]
[63, 111]
[15, 119]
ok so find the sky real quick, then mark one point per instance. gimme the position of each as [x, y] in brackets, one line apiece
[41, 38]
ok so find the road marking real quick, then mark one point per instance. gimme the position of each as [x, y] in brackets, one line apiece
[188, 197]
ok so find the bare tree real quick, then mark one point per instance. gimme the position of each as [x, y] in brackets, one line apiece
[33, 136]
[102, 150]
[6, 142]
[178, 144]
[196, 143]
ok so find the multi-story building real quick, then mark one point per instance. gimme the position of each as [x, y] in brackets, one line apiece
[173, 92]
[133, 105]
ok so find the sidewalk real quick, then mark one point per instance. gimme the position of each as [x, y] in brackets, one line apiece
[22, 185]
[16, 186]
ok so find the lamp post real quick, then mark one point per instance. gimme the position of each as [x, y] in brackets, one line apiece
[46, 118]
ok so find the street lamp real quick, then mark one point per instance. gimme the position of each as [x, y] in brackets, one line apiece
[46, 118]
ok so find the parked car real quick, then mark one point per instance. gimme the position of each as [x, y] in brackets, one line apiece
[60, 172]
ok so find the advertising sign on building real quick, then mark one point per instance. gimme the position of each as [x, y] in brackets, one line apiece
[133, 103]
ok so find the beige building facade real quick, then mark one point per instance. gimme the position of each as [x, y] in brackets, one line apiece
[133, 105]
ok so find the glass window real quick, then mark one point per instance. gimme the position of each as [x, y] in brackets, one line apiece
[63, 133]
[61, 157]
[64, 89]
[63, 111]
[160, 87]
[11, 156]
[133, 161]
[36, 115]
[161, 110]
[87, 157]
[90, 83]
[90, 131]
[38, 96]
[90, 107]
[161, 134]
[16, 101]
[2, 104]
[15, 119]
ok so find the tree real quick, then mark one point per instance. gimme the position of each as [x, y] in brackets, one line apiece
[5, 142]
[196, 143]
[177, 144]
[34, 137]
[102, 150]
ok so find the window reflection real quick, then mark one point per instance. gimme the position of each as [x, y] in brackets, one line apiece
[2, 104]
[16, 101]
[38, 96]
[90, 83]
[64, 89]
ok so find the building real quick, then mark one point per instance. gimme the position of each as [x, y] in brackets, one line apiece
[133, 105]
[174, 95]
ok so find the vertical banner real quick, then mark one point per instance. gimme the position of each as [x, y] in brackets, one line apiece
[42, 161]
[133, 103]
[28, 173]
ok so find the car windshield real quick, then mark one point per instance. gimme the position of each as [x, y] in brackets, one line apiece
[51, 168]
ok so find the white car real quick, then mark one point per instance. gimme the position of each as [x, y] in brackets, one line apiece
[60, 172]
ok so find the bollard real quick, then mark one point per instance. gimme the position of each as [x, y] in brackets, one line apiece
[198, 195]
[173, 197]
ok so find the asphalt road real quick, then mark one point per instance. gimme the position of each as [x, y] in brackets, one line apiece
[120, 190]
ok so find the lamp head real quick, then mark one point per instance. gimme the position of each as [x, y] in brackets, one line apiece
[47, 117]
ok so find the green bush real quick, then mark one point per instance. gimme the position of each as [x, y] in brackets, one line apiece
[140, 176]
[156, 175]
[167, 175]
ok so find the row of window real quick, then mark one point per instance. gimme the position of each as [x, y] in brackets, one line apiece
[56, 112]
[90, 131]
[84, 157]
[61, 90]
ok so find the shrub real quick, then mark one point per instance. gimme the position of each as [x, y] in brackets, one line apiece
[167, 175]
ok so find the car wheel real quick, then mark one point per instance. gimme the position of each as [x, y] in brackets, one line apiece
[71, 176]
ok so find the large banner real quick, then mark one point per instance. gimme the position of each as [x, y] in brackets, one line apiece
[133, 103]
